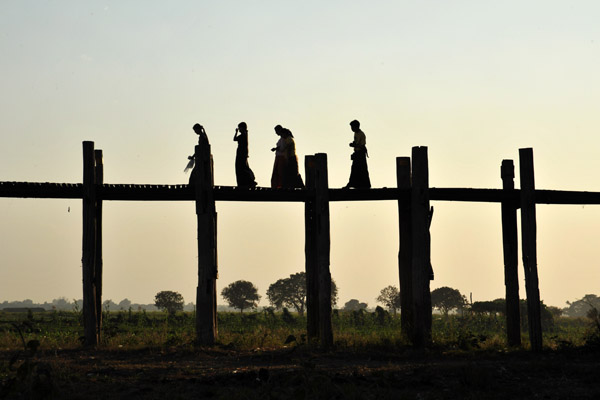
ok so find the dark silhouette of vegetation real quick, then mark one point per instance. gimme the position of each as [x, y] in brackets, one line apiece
[241, 295]
[291, 293]
[354, 305]
[390, 298]
[169, 301]
[497, 306]
[446, 299]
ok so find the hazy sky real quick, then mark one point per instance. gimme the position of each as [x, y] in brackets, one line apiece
[472, 80]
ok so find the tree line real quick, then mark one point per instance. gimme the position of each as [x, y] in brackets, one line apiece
[290, 293]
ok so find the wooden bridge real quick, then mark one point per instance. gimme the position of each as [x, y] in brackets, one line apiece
[412, 193]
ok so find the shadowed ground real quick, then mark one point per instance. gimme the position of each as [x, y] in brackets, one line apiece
[303, 373]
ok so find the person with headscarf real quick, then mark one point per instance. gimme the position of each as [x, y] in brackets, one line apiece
[291, 175]
[243, 173]
[279, 165]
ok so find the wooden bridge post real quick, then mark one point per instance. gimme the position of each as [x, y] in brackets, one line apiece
[405, 251]
[421, 250]
[98, 264]
[310, 251]
[206, 293]
[88, 259]
[317, 249]
[529, 253]
[511, 258]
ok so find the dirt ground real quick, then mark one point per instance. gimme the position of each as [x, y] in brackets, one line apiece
[302, 373]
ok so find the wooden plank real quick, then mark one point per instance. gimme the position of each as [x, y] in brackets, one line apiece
[511, 258]
[529, 252]
[142, 192]
[405, 250]
[206, 292]
[99, 263]
[44, 190]
[566, 197]
[89, 246]
[310, 251]
[421, 258]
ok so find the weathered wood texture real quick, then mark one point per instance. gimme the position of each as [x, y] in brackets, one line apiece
[88, 259]
[317, 247]
[310, 253]
[511, 258]
[99, 165]
[421, 258]
[405, 250]
[206, 294]
[323, 241]
[529, 253]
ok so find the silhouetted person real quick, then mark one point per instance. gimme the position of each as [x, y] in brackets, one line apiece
[243, 173]
[291, 175]
[202, 141]
[359, 174]
[279, 165]
[202, 138]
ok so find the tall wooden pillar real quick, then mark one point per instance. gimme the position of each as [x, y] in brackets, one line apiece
[88, 259]
[421, 249]
[405, 251]
[511, 258]
[206, 293]
[98, 263]
[529, 252]
[317, 249]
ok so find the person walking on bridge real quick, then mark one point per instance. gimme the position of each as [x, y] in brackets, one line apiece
[243, 173]
[359, 173]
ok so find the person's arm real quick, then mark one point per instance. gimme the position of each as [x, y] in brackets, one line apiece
[235, 135]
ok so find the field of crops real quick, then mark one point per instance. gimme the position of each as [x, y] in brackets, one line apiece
[266, 355]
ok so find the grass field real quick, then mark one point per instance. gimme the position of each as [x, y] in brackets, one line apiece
[265, 355]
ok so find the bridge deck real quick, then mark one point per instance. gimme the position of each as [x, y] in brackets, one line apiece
[135, 192]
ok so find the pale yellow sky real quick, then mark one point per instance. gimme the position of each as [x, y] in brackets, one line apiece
[472, 80]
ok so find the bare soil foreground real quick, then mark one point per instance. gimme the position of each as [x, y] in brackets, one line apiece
[302, 373]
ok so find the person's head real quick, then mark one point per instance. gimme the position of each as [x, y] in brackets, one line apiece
[354, 125]
[243, 127]
[198, 129]
[278, 130]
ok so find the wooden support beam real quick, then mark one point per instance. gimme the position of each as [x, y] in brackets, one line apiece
[323, 240]
[421, 254]
[202, 179]
[529, 253]
[317, 251]
[88, 259]
[310, 251]
[99, 263]
[511, 258]
[405, 250]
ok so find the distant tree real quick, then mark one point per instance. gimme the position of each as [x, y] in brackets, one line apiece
[581, 307]
[497, 306]
[62, 304]
[446, 299]
[108, 305]
[124, 304]
[354, 305]
[241, 295]
[291, 293]
[555, 311]
[169, 301]
[390, 298]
